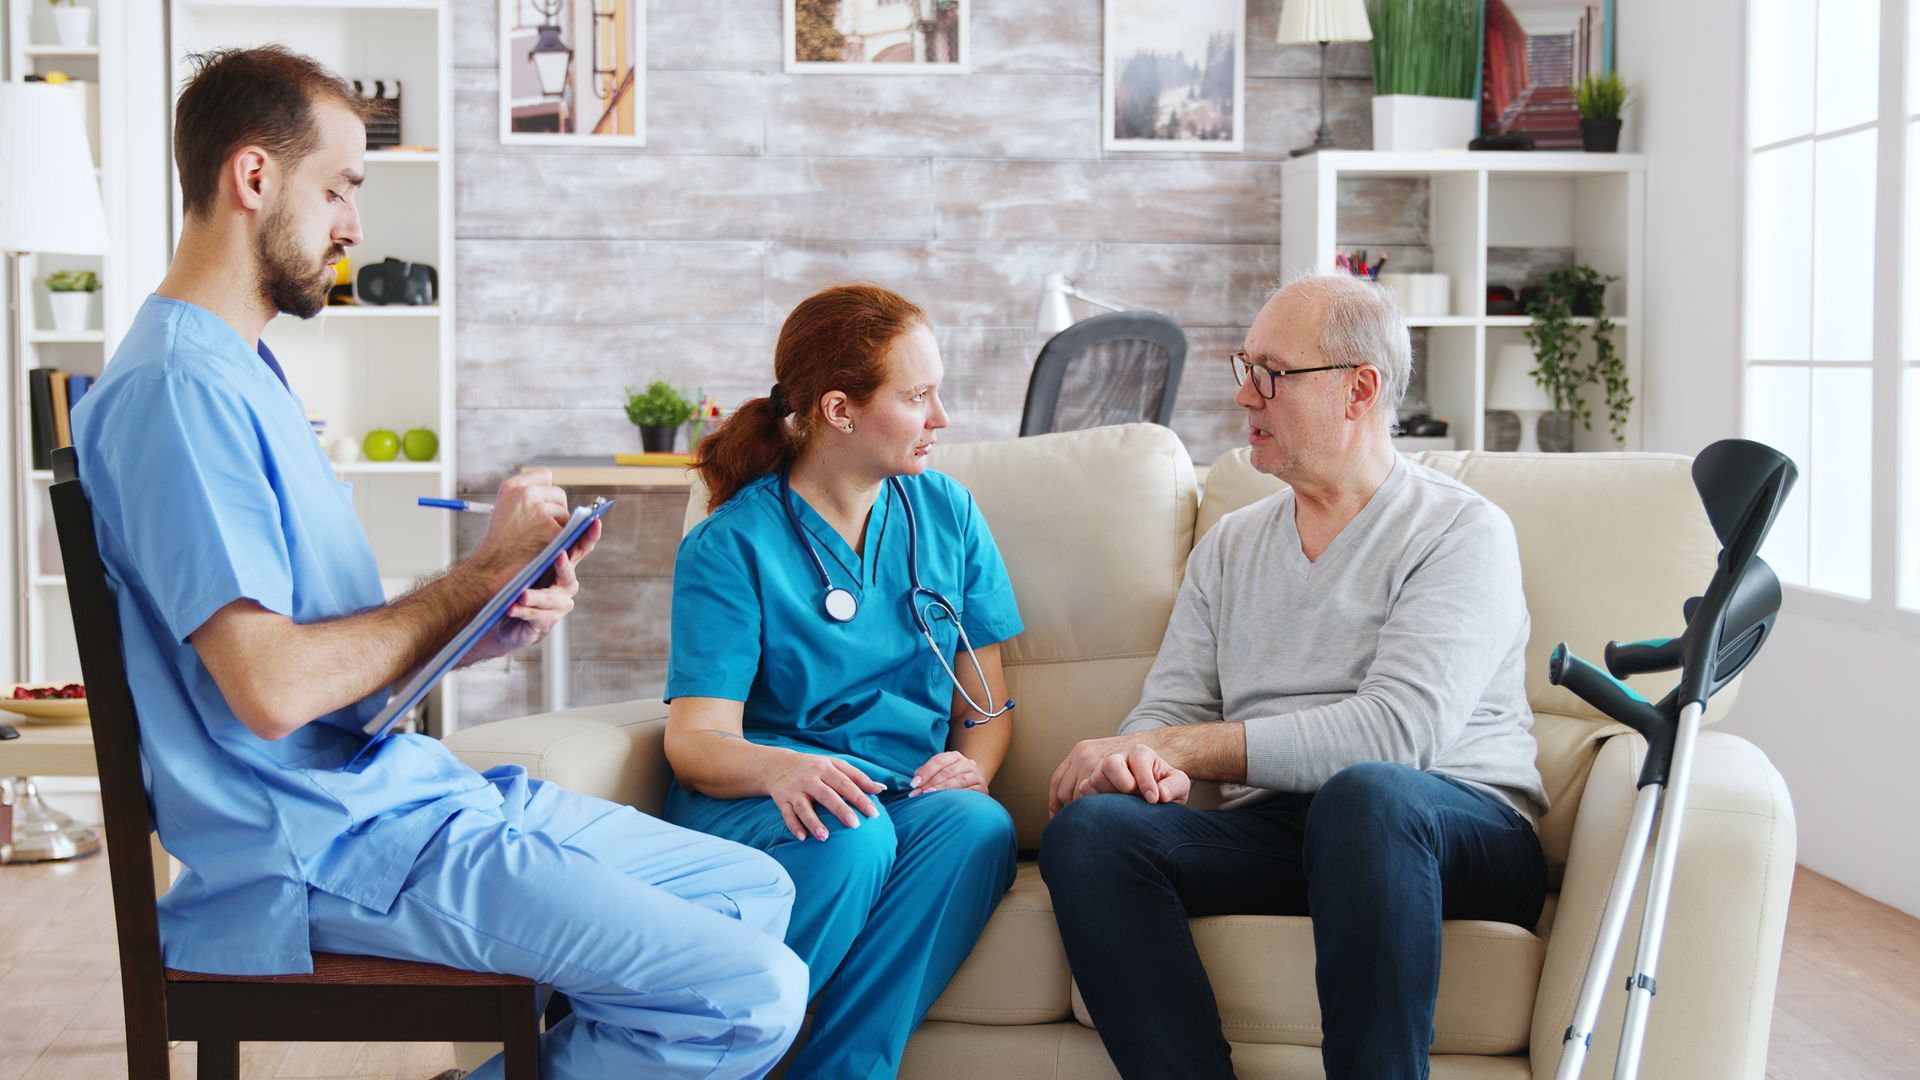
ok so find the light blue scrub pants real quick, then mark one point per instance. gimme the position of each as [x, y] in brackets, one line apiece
[667, 942]
[887, 911]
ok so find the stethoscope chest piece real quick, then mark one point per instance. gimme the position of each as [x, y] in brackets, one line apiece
[841, 606]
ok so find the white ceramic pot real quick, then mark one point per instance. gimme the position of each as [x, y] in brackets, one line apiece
[1412, 123]
[73, 25]
[72, 311]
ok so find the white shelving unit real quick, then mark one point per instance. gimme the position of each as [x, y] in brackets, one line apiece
[1593, 205]
[42, 626]
[370, 367]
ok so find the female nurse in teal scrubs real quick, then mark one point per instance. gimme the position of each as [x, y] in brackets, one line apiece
[820, 700]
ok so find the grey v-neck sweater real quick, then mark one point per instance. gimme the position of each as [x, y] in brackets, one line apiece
[1405, 642]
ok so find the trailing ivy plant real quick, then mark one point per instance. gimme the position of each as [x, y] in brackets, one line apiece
[1556, 347]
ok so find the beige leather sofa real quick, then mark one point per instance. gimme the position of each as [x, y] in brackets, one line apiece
[1095, 527]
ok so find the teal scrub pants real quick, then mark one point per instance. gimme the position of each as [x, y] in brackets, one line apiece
[883, 914]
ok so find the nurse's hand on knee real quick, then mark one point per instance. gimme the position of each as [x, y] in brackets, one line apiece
[803, 780]
[950, 770]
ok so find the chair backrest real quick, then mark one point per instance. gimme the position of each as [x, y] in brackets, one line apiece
[116, 749]
[1110, 369]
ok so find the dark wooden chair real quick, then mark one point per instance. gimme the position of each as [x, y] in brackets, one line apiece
[346, 999]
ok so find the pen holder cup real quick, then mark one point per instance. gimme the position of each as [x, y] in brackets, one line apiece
[1421, 294]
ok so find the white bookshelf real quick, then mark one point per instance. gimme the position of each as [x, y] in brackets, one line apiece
[367, 367]
[41, 626]
[1591, 204]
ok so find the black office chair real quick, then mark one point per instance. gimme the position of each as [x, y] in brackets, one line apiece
[1110, 369]
[346, 999]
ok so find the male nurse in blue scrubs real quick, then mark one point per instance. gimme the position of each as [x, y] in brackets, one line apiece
[258, 642]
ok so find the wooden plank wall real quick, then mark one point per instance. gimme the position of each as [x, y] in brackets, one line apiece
[584, 271]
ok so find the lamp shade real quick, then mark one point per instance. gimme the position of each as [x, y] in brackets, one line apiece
[49, 195]
[1510, 385]
[1303, 21]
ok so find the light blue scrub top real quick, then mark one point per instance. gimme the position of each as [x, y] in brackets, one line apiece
[748, 624]
[208, 486]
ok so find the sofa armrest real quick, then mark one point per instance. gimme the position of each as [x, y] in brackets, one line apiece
[615, 752]
[1726, 922]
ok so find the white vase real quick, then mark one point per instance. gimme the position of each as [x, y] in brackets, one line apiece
[71, 311]
[72, 24]
[1412, 123]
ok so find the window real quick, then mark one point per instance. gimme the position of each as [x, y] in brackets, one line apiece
[1831, 228]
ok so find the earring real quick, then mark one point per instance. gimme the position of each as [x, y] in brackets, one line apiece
[849, 425]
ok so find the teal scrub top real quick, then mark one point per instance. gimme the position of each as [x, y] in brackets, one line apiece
[207, 487]
[749, 625]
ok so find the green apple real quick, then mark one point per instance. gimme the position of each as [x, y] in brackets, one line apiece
[381, 445]
[420, 444]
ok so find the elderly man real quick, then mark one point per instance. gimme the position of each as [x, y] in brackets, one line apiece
[1346, 657]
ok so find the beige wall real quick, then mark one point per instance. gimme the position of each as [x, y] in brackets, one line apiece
[583, 271]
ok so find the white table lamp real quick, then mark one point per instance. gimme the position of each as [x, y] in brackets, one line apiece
[1323, 21]
[1055, 314]
[1510, 388]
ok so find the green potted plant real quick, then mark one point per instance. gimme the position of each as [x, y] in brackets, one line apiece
[1599, 98]
[1425, 56]
[1565, 294]
[70, 295]
[72, 24]
[658, 411]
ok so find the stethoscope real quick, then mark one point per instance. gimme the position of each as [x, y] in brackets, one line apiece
[841, 607]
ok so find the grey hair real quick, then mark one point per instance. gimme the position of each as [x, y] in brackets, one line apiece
[1361, 324]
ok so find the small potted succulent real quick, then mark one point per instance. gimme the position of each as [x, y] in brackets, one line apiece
[1600, 99]
[70, 295]
[72, 24]
[658, 411]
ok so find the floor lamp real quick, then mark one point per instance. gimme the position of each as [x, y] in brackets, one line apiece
[49, 202]
[1323, 21]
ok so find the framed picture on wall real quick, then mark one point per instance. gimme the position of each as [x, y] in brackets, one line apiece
[879, 37]
[1175, 75]
[573, 72]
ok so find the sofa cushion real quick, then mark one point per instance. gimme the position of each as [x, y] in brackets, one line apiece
[1017, 972]
[1261, 969]
[1610, 546]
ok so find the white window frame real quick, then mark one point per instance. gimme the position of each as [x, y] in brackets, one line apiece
[1880, 611]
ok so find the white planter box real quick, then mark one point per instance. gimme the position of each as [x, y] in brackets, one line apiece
[1410, 123]
[72, 25]
[72, 311]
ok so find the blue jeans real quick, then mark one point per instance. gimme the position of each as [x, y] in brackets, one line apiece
[1379, 856]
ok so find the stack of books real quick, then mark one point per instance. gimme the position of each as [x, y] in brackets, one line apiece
[52, 395]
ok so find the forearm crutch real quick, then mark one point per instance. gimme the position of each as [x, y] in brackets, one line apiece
[1743, 484]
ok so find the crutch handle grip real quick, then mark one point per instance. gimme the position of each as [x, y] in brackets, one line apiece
[1626, 658]
[1602, 691]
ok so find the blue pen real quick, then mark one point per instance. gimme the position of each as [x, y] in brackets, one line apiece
[458, 504]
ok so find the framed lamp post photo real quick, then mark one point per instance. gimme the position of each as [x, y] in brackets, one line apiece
[573, 72]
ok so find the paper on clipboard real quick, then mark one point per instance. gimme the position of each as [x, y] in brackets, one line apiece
[451, 653]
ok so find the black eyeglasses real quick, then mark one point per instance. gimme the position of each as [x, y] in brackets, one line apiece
[1264, 377]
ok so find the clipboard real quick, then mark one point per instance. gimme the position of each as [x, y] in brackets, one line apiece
[463, 642]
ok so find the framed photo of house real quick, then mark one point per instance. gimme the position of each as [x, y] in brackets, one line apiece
[1175, 76]
[573, 72]
[879, 37]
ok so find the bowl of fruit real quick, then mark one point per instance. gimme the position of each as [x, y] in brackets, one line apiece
[47, 703]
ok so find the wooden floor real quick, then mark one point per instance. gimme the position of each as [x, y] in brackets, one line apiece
[1848, 1006]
